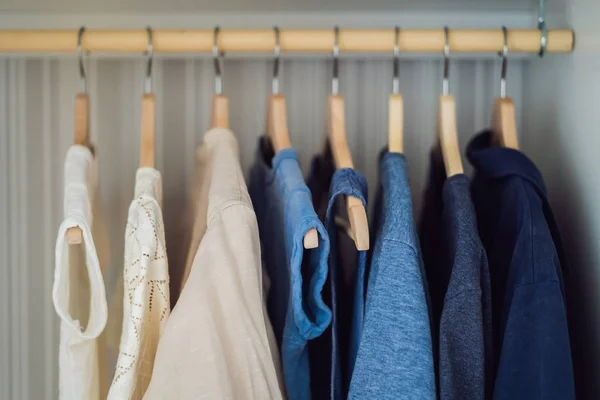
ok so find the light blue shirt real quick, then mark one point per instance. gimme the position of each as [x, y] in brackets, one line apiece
[285, 212]
[395, 356]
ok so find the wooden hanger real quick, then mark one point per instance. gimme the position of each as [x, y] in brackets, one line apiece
[220, 112]
[504, 125]
[338, 143]
[396, 108]
[504, 121]
[147, 126]
[341, 154]
[220, 103]
[446, 124]
[74, 234]
[277, 130]
[82, 102]
[448, 136]
[395, 124]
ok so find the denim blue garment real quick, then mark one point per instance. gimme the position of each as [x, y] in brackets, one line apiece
[284, 210]
[524, 248]
[395, 356]
[459, 285]
[346, 278]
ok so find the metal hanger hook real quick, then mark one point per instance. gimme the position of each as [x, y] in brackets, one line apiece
[80, 56]
[396, 71]
[504, 55]
[150, 54]
[335, 82]
[543, 28]
[445, 81]
[217, 61]
[276, 51]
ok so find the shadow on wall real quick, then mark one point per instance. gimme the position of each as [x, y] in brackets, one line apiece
[544, 143]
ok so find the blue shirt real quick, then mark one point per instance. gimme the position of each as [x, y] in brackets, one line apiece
[395, 357]
[459, 284]
[524, 249]
[284, 210]
[346, 275]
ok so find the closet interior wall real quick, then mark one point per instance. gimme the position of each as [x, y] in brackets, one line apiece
[561, 121]
[36, 129]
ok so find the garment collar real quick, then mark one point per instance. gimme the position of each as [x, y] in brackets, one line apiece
[502, 162]
[267, 157]
[350, 182]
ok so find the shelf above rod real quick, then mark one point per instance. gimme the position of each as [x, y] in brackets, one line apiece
[291, 40]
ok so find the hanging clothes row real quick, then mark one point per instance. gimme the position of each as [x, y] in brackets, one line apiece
[289, 292]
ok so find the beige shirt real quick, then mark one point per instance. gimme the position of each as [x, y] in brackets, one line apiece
[146, 289]
[218, 342]
[78, 292]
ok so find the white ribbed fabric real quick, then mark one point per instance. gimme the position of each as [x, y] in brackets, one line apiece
[218, 342]
[78, 291]
[146, 288]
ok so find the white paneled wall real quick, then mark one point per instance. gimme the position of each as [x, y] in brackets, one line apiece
[36, 128]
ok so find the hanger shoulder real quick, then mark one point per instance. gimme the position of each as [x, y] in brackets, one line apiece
[81, 119]
[311, 239]
[277, 123]
[147, 131]
[504, 124]
[74, 235]
[337, 133]
[448, 136]
[343, 159]
[358, 222]
[220, 111]
[396, 124]
[81, 137]
[277, 131]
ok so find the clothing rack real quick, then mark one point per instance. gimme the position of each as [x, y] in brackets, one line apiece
[290, 40]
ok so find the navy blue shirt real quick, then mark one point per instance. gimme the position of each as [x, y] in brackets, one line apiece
[531, 340]
[347, 276]
[459, 284]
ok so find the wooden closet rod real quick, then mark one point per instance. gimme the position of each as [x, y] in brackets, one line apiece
[291, 40]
